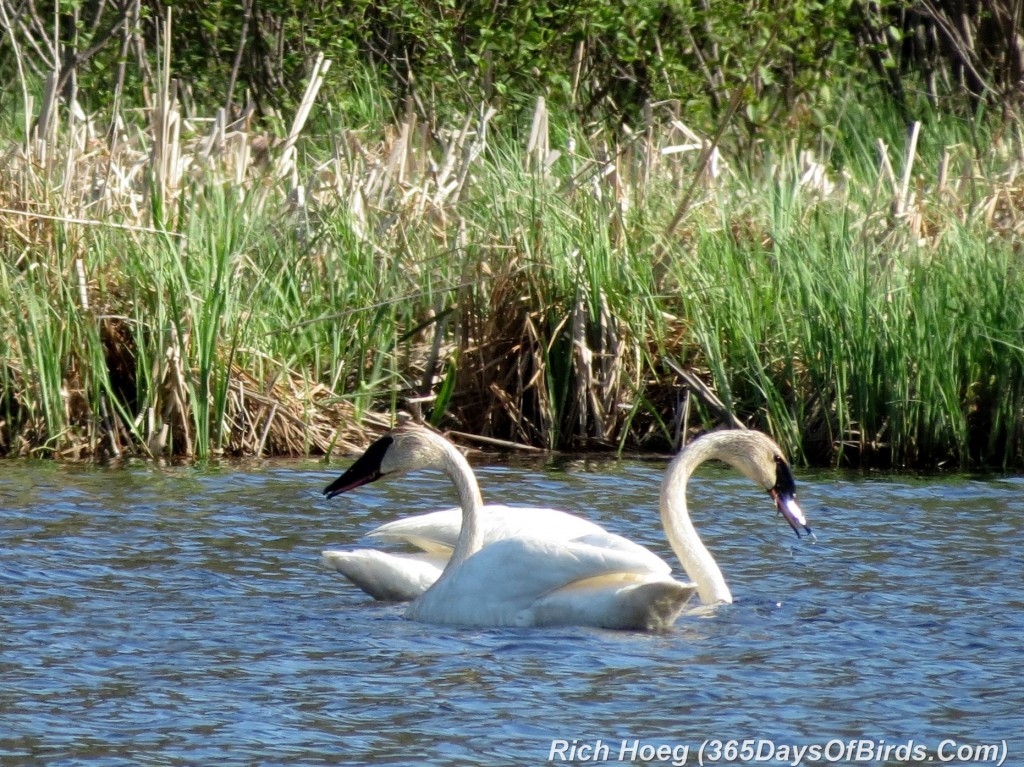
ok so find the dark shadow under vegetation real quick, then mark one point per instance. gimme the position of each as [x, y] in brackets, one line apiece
[222, 234]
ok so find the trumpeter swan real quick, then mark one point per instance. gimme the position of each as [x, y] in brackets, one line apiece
[531, 580]
[402, 576]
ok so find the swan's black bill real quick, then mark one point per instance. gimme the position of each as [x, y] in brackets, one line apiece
[365, 470]
[788, 508]
[784, 494]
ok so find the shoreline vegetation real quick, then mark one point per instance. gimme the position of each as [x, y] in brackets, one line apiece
[174, 285]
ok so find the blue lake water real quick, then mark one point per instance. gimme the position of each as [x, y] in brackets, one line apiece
[179, 616]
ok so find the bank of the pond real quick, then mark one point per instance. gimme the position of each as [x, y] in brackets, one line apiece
[181, 293]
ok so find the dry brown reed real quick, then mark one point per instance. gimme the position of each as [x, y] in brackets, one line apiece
[404, 187]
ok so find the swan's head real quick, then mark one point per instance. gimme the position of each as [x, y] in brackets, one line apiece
[406, 448]
[760, 458]
[783, 492]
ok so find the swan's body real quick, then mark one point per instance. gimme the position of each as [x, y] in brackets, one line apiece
[404, 576]
[531, 580]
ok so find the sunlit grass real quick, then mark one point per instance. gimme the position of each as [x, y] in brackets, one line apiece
[497, 284]
[881, 348]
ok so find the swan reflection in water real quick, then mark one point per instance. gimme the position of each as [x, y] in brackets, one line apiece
[502, 566]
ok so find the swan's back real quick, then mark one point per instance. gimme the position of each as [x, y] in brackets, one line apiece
[439, 530]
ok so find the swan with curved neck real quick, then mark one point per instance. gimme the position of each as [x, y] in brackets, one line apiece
[403, 576]
[533, 580]
[758, 458]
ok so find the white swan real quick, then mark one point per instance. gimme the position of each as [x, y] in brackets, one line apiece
[403, 576]
[533, 581]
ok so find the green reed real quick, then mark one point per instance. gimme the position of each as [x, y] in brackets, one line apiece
[845, 337]
[525, 296]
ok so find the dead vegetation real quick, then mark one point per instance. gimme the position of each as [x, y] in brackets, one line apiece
[501, 354]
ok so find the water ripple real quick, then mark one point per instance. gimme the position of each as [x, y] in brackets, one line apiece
[178, 616]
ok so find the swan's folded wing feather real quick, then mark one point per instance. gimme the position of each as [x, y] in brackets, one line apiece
[386, 576]
[606, 540]
[438, 531]
[614, 603]
[500, 582]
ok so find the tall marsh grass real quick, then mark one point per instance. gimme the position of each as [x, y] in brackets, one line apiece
[195, 287]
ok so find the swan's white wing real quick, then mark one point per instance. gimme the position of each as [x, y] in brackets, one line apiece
[606, 540]
[438, 530]
[386, 576]
[613, 603]
[507, 583]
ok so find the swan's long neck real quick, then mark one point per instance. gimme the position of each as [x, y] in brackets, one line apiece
[694, 556]
[470, 536]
